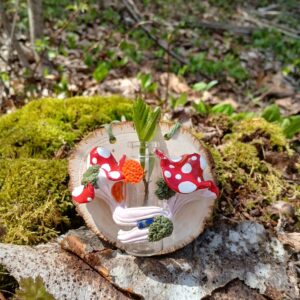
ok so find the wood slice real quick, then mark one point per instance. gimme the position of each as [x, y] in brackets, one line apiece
[191, 219]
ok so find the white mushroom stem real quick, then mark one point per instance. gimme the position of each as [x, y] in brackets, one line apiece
[129, 216]
[121, 215]
[177, 202]
[134, 235]
[104, 190]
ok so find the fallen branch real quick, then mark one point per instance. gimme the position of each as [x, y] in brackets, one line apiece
[134, 13]
[265, 24]
[234, 28]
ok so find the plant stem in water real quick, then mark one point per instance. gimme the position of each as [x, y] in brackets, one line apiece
[143, 164]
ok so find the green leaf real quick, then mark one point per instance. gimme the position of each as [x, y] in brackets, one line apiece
[223, 108]
[243, 115]
[4, 76]
[180, 101]
[291, 126]
[201, 107]
[145, 120]
[203, 86]
[33, 289]
[147, 84]
[271, 113]
[101, 72]
[88, 59]
[211, 84]
[200, 86]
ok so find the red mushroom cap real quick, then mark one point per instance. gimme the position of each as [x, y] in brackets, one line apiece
[82, 194]
[105, 160]
[184, 174]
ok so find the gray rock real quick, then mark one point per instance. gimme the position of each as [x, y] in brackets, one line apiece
[219, 256]
[65, 276]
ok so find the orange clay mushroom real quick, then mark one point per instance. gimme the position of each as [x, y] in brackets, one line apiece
[132, 171]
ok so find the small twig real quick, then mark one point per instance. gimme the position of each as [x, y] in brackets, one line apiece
[6, 25]
[136, 26]
[265, 24]
[13, 28]
[243, 30]
[132, 10]
[168, 72]
[4, 60]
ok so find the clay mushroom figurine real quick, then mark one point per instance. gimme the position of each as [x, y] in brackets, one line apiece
[184, 174]
[104, 172]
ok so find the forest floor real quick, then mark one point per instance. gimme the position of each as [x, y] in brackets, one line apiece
[248, 52]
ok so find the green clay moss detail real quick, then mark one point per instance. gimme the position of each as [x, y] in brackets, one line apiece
[42, 127]
[90, 176]
[163, 192]
[160, 228]
[34, 197]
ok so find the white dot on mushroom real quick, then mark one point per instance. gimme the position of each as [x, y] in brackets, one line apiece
[171, 166]
[77, 191]
[176, 159]
[178, 176]
[167, 174]
[94, 160]
[114, 174]
[194, 157]
[202, 163]
[187, 168]
[106, 167]
[103, 152]
[186, 187]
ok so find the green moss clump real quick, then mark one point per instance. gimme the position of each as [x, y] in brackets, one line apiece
[221, 121]
[42, 127]
[160, 228]
[241, 172]
[34, 198]
[248, 182]
[254, 130]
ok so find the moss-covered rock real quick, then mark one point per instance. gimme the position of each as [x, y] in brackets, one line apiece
[34, 198]
[247, 181]
[42, 127]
